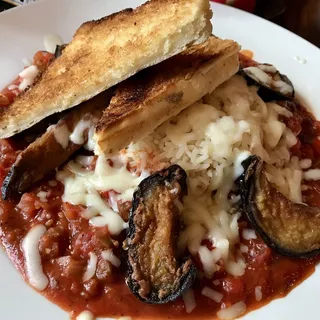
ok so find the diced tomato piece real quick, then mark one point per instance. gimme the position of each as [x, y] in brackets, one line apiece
[233, 289]
[259, 253]
[247, 53]
[42, 59]
[6, 146]
[293, 124]
[10, 94]
[245, 61]
[4, 100]
[88, 240]
[71, 211]
[106, 194]
[311, 196]
[27, 205]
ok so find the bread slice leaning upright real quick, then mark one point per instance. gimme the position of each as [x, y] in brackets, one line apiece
[106, 52]
[154, 95]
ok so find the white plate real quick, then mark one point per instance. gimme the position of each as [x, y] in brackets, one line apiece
[21, 35]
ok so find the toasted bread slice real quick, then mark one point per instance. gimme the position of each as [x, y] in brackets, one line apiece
[152, 96]
[106, 52]
[52, 149]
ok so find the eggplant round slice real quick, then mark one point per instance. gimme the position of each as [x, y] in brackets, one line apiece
[273, 84]
[156, 274]
[291, 229]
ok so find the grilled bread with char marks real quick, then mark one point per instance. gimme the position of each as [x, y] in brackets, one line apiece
[152, 96]
[106, 52]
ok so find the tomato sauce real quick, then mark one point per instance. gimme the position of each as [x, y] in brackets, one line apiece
[65, 248]
[41, 59]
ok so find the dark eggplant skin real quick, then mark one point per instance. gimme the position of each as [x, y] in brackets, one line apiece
[167, 179]
[59, 50]
[266, 91]
[291, 229]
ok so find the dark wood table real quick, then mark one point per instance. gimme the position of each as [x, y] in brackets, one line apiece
[299, 16]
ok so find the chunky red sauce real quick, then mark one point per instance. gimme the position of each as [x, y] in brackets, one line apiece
[41, 59]
[65, 247]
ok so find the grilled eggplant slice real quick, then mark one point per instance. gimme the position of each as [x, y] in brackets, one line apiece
[273, 84]
[51, 149]
[292, 229]
[155, 272]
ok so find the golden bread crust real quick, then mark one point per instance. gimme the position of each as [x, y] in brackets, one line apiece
[106, 52]
[167, 87]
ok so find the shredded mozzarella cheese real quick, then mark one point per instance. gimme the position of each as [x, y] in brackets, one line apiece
[82, 187]
[232, 312]
[248, 234]
[32, 257]
[189, 301]
[77, 135]
[312, 174]
[258, 293]
[109, 256]
[51, 41]
[85, 315]
[305, 163]
[42, 195]
[212, 294]
[91, 267]
[28, 76]
[61, 134]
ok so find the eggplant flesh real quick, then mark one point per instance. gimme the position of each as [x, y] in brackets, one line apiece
[291, 229]
[273, 85]
[156, 274]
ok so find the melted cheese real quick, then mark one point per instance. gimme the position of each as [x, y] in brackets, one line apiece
[109, 256]
[232, 312]
[90, 143]
[61, 134]
[212, 294]
[261, 76]
[258, 293]
[91, 267]
[189, 301]
[82, 186]
[312, 174]
[28, 76]
[42, 195]
[51, 41]
[85, 315]
[32, 257]
[77, 136]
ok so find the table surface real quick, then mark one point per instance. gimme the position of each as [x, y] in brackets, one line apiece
[300, 16]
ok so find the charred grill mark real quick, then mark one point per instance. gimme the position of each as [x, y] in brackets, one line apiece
[175, 97]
